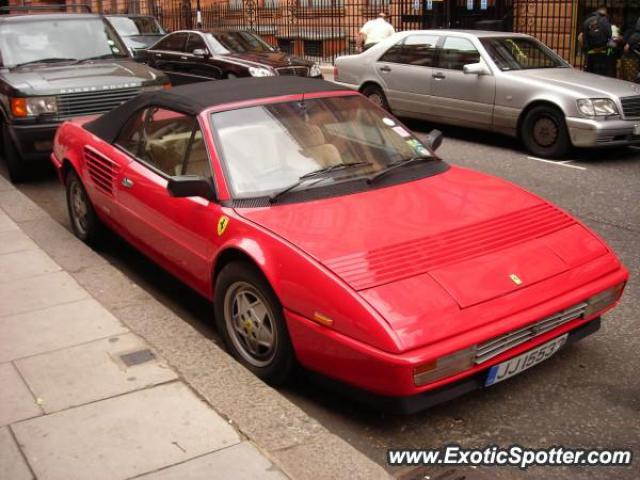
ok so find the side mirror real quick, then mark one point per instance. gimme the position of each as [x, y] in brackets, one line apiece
[476, 69]
[201, 52]
[191, 186]
[434, 139]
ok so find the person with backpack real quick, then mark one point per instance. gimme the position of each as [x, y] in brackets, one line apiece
[631, 56]
[595, 40]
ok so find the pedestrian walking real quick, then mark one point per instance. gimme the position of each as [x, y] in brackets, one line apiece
[375, 31]
[595, 40]
[631, 56]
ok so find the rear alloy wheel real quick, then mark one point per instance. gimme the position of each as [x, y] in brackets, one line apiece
[544, 132]
[377, 96]
[249, 318]
[84, 222]
[15, 163]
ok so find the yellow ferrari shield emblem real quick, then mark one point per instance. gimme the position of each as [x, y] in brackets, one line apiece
[222, 224]
[515, 279]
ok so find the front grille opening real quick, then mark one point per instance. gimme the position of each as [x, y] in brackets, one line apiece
[631, 107]
[494, 347]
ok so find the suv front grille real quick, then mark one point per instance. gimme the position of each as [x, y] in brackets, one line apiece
[293, 71]
[631, 107]
[495, 346]
[91, 103]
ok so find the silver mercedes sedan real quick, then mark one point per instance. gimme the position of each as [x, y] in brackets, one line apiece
[503, 82]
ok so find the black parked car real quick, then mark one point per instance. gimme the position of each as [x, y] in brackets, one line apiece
[138, 32]
[57, 66]
[192, 56]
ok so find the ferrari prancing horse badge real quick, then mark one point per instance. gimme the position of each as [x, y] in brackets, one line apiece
[222, 224]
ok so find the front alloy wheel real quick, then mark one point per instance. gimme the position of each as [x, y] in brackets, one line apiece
[250, 320]
[544, 132]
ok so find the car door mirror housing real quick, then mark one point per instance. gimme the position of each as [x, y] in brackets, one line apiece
[476, 69]
[434, 139]
[191, 186]
[201, 52]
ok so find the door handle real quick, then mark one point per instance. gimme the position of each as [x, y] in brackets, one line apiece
[385, 69]
[439, 76]
[127, 182]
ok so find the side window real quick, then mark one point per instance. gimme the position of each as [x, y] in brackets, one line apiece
[172, 43]
[198, 160]
[457, 52]
[195, 41]
[130, 136]
[393, 55]
[420, 50]
[167, 135]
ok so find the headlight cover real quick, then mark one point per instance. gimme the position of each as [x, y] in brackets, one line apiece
[603, 300]
[260, 72]
[315, 70]
[597, 107]
[33, 106]
[444, 366]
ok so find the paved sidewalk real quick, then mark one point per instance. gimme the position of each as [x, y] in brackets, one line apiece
[82, 397]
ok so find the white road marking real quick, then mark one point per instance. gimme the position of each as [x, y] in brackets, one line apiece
[562, 164]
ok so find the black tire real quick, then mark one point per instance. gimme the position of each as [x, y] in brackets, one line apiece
[274, 366]
[231, 76]
[15, 163]
[84, 222]
[377, 96]
[544, 132]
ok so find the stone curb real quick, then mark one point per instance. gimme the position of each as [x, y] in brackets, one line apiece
[292, 440]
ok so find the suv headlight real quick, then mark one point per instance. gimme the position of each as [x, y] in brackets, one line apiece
[260, 72]
[33, 106]
[597, 107]
[315, 70]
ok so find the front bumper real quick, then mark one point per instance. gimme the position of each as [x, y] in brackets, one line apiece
[35, 141]
[421, 401]
[586, 132]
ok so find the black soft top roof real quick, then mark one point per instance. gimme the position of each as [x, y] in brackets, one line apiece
[194, 98]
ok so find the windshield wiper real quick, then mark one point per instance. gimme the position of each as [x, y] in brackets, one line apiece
[46, 60]
[301, 181]
[397, 164]
[335, 168]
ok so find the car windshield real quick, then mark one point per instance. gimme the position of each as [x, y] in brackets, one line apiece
[243, 42]
[50, 40]
[131, 26]
[520, 53]
[270, 147]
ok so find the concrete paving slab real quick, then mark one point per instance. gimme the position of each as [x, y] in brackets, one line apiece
[5, 184]
[40, 292]
[57, 327]
[16, 401]
[90, 372]
[239, 462]
[12, 465]
[6, 224]
[15, 241]
[123, 436]
[25, 264]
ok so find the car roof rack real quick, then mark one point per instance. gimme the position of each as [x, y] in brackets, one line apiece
[59, 6]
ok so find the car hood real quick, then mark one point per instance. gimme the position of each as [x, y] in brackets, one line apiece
[580, 84]
[56, 79]
[271, 59]
[453, 240]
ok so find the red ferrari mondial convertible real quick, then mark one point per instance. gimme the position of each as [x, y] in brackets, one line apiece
[328, 235]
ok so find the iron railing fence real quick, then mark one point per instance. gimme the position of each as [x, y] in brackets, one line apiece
[323, 29]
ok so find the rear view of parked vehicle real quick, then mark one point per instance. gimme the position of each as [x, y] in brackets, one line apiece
[502, 82]
[48, 75]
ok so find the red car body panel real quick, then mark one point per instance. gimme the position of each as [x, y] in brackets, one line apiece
[408, 273]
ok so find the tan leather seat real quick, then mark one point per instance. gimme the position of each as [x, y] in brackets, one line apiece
[313, 141]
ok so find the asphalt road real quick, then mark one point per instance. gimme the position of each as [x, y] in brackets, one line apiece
[587, 395]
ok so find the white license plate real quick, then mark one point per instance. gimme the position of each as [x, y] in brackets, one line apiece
[518, 364]
[636, 129]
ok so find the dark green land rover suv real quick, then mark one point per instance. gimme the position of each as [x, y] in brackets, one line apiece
[56, 66]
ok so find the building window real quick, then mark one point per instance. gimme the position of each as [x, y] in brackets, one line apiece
[235, 5]
[379, 3]
[313, 48]
[271, 4]
[322, 3]
[285, 45]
